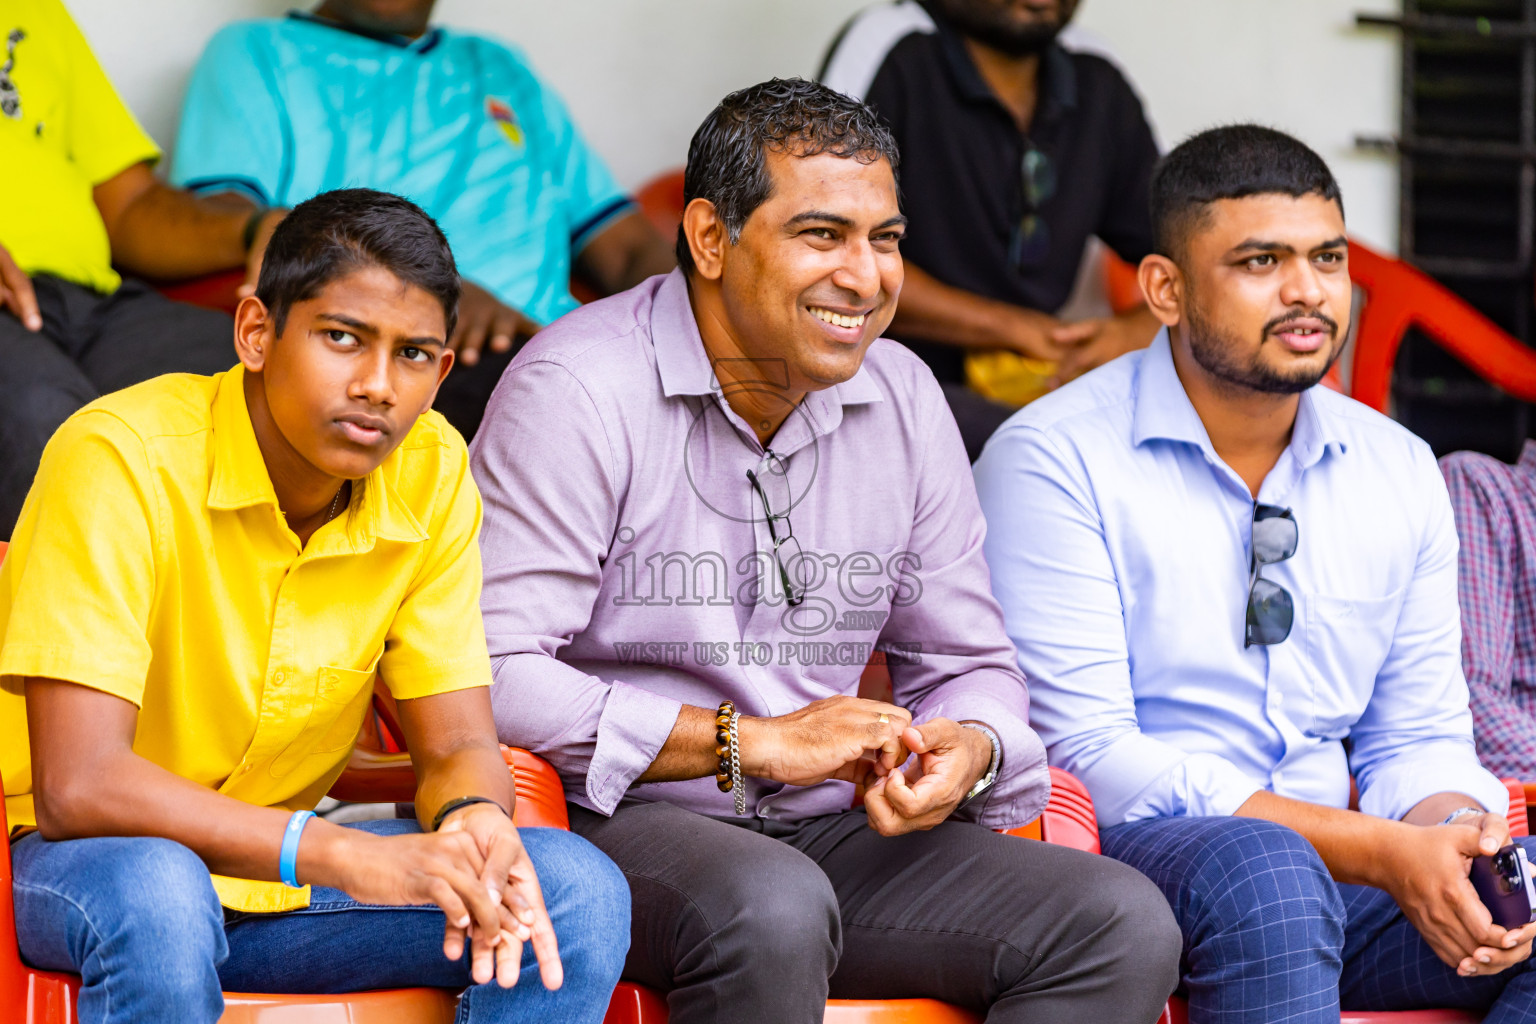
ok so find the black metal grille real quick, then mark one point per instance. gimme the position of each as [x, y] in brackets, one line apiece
[1467, 154]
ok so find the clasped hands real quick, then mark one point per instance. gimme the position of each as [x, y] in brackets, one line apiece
[476, 869]
[1428, 877]
[869, 742]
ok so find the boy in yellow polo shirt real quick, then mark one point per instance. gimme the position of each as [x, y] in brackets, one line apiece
[79, 201]
[205, 579]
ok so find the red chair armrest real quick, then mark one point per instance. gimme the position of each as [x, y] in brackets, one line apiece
[375, 777]
[1519, 820]
[1068, 818]
[540, 796]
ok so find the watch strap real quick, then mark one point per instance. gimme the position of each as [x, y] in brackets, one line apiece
[1460, 811]
[990, 776]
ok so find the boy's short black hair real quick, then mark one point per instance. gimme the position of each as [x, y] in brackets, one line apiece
[1230, 162]
[338, 232]
[727, 157]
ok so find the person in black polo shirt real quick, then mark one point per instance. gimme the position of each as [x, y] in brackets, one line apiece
[1014, 151]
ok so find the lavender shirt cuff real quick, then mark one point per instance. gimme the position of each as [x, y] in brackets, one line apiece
[1023, 781]
[633, 728]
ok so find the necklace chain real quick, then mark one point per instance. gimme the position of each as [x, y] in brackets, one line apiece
[335, 503]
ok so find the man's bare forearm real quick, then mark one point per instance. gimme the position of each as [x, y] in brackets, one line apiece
[470, 771]
[167, 233]
[930, 310]
[1354, 846]
[1351, 844]
[453, 747]
[689, 752]
[108, 790]
[625, 253]
[1432, 810]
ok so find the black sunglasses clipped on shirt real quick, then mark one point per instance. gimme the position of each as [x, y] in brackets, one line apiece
[1271, 609]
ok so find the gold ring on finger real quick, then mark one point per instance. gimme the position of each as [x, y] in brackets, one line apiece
[884, 718]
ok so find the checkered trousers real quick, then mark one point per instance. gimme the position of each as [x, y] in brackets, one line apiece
[1269, 937]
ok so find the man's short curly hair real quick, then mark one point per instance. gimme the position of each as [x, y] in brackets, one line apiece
[727, 158]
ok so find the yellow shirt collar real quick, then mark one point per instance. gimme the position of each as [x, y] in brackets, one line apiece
[240, 480]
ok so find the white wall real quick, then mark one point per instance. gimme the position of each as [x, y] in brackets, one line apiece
[1297, 65]
[639, 75]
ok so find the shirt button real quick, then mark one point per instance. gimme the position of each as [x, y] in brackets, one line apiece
[1279, 699]
[245, 769]
[330, 680]
[277, 678]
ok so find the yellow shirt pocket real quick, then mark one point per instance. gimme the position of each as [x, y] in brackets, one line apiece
[342, 698]
[343, 695]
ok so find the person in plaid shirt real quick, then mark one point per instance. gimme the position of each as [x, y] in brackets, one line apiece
[1495, 506]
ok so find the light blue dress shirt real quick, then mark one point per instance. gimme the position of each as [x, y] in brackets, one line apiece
[285, 108]
[1118, 542]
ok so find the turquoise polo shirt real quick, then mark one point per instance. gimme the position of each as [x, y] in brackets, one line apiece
[283, 109]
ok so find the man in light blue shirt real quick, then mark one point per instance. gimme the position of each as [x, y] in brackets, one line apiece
[1230, 589]
[364, 93]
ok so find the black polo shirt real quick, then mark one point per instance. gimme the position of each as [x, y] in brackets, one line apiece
[962, 152]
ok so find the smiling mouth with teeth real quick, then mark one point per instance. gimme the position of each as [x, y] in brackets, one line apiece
[837, 319]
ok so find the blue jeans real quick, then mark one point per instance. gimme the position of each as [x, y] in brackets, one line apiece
[139, 921]
[1269, 935]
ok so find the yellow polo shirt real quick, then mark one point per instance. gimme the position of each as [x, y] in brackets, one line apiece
[63, 130]
[151, 562]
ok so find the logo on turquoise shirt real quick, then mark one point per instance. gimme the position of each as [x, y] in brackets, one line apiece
[500, 111]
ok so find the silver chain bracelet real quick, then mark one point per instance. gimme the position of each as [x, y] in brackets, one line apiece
[738, 785]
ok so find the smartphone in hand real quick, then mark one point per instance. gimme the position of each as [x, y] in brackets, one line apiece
[1504, 884]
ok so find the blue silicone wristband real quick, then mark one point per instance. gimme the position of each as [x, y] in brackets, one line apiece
[288, 859]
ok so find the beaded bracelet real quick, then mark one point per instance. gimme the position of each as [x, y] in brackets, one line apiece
[728, 750]
[723, 777]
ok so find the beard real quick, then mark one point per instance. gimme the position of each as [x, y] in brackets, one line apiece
[990, 23]
[1218, 354]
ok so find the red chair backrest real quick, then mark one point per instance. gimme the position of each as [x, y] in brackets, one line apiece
[12, 979]
[218, 291]
[1121, 285]
[1398, 297]
[1519, 816]
[661, 200]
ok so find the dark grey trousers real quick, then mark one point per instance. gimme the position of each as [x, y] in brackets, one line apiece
[762, 923]
[90, 344]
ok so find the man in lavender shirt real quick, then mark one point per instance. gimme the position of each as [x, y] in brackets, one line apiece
[720, 485]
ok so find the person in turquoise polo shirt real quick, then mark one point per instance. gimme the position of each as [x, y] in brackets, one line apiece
[368, 93]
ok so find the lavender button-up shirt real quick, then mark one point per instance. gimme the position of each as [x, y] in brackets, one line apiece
[628, 565]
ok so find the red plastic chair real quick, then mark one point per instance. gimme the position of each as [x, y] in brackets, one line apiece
[1398, 297]
[213, 291]
[1121, 285]
[661, 200]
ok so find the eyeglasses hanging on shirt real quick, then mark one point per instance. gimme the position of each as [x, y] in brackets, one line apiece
[1271, 609]
[1031, 242]
[771, 482]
